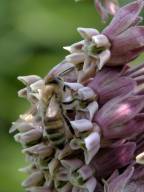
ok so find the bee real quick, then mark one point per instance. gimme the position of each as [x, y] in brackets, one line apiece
[55, 121]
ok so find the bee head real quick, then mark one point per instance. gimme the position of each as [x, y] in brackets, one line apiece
[51, 79]
[53, 86]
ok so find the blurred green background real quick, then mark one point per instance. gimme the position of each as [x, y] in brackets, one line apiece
[32, 34]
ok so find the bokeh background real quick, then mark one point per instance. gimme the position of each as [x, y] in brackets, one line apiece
[32, 34]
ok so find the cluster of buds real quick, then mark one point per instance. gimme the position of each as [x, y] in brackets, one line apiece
[84, 130]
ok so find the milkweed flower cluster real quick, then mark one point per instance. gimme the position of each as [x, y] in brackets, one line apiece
[84, 130]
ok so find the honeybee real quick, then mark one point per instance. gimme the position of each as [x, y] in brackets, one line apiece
[55, 122]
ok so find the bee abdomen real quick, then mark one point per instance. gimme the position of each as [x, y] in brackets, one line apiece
[55, 132]
[57, 124]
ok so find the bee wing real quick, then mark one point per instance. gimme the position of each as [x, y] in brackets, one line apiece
[53, 110]
[65, 70]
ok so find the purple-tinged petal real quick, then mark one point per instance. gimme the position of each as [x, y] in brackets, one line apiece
[76, 47]
[137, 73]
[32, 136]
[87, 33]
[127, 130]
[103, 58]
[88, 112]
[139, 173]
[41, 150]
[124, 18]
[112, 87]
[35, 179]
[119, 111]
[105, 76]
[75, 58]
[118, 183]
[90, 185]
[110, 159]
[122, 59]
[66, 188]
[140, 80]
[134, 69]
[101, 41]
[139, 143]
[81, 125]
[86, 93]
[90, 145]
[129, 40]
[28, 80]
[72, 164]
[85, 172]
[21, 126]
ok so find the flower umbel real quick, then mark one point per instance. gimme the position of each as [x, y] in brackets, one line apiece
[84, 130]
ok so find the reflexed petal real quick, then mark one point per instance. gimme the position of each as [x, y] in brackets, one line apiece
[28, 80]
[65, 70]
[103, 58]
[21, 126]
[129, 40]
[81, 125]
[126, 43]
[118, 183]
[124, 18]
[108, 160]
[101, 41]
[119, 110]
[72, 164]
[85, 172]
[112, 88]
[33, 135]
[75, 58]
[128, 130]
[40, 150]
[86, 93]
[36, 179]
[90, 185]
[76, 47]
[87, 33]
